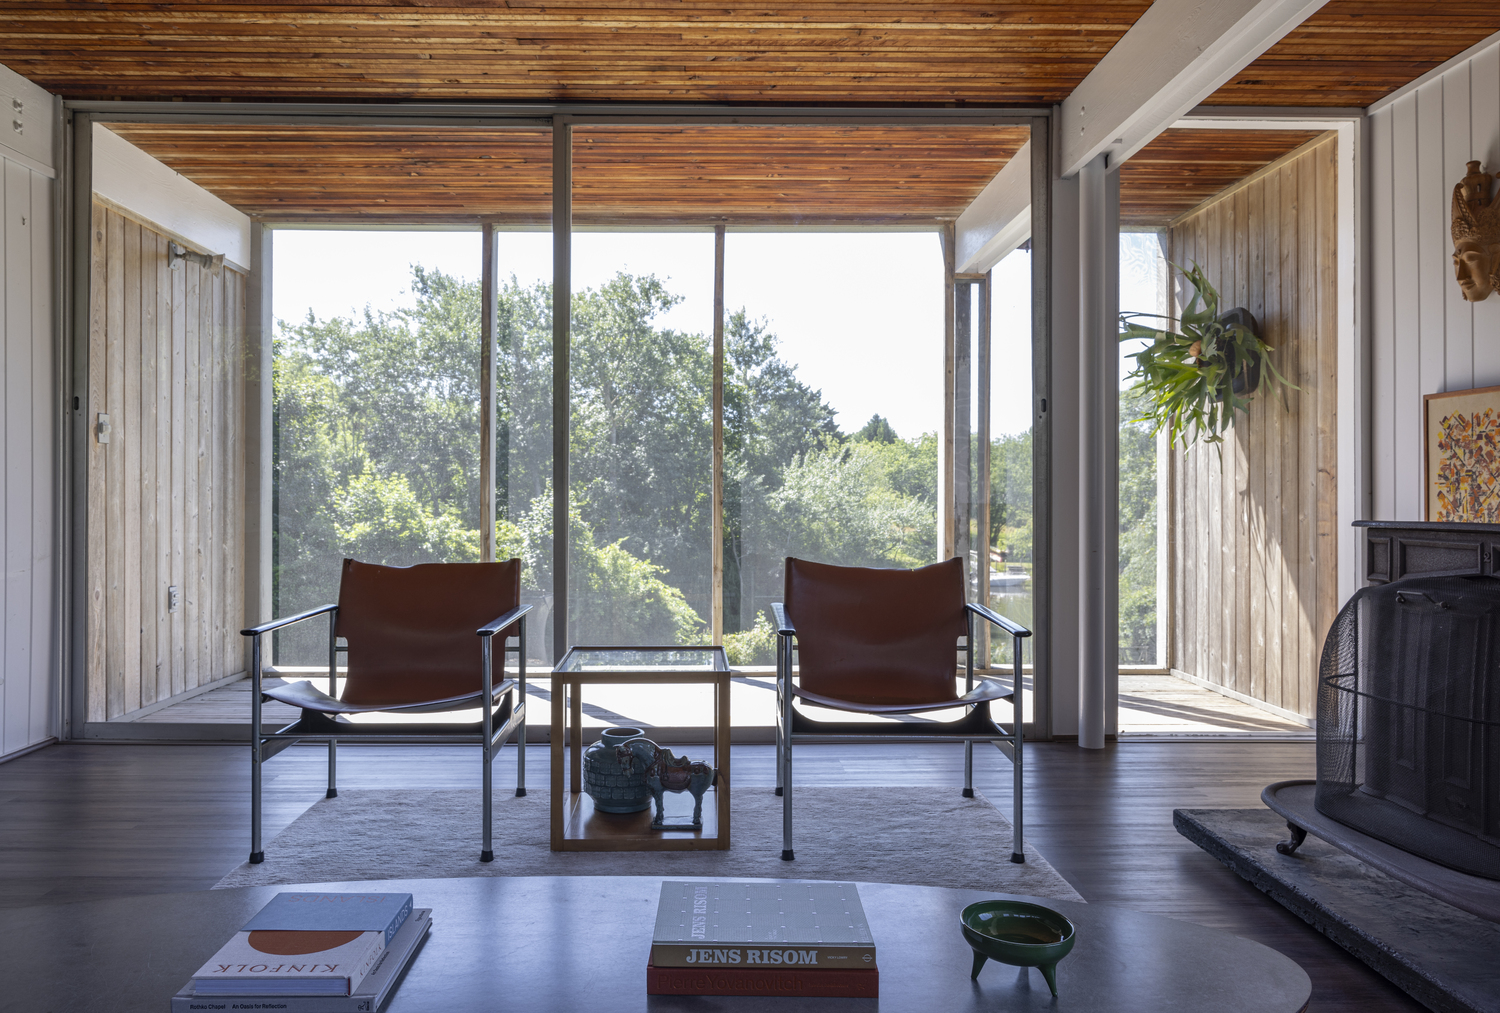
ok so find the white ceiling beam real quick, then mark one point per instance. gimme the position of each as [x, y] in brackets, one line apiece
[999, 220]
[1177, 54]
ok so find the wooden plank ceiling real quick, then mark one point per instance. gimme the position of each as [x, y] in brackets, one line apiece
[1183, 168]
[825, 51]
[783, 175]
[1353, 52]
[947, 52]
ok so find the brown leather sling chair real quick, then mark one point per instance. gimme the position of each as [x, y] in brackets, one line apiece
[884, 642]
[419, 639]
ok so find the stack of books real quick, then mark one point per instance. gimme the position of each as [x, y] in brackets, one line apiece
[792, 938]
[312, 953]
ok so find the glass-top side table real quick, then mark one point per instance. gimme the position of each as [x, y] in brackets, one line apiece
[654, 659]
[575, 824]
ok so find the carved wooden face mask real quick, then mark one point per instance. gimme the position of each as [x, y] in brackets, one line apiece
[1476, 235]
[1474, 265]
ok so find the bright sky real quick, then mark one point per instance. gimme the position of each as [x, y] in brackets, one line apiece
[1143, 287]
[859, 314]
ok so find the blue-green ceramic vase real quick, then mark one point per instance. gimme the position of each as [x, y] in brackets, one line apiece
[615, 777]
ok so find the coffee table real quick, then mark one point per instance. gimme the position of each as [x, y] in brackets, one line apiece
[566, 943]
[575, 825]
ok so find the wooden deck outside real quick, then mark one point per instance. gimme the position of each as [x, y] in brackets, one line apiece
[1149, 705]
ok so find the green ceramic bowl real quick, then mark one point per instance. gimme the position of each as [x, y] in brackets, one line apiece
[1017, 933]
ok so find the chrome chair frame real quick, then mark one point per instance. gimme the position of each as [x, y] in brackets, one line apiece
[320, 721]
[976, 726]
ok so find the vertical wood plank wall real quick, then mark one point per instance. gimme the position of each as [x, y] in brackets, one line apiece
[27, 428]
[165, 494]
[1424, 338]
[1253, 539]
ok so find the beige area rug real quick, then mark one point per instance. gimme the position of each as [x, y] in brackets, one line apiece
[918, 836]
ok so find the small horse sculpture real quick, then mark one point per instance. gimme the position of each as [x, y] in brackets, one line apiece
[668, 772]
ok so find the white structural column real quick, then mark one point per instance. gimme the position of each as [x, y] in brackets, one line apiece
[1098, 424]
[1174, 57]
[1064, 533]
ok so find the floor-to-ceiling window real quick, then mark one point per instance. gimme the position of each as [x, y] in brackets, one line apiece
[378, 387]
[641, 443]
[830, 360]
[1008, 574]
[833, 410]
[1143, 289]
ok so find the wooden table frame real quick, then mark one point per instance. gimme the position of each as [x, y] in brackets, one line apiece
[569, 685]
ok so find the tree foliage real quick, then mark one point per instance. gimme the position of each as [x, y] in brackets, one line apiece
[1137, 533]
[378, 458]
[377, 425]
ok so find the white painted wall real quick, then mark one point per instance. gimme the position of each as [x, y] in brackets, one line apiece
[1424, 337]
[132, 179]
[28, 420]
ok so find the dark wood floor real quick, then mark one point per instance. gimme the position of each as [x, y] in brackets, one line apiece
[80, 822]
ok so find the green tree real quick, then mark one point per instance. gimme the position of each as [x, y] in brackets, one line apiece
[1137, 534]
[877, 430]
[641, 441]
[378, 458]
[771, 420]
[1011, 529]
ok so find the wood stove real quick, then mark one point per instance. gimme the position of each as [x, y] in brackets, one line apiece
[1409, 719]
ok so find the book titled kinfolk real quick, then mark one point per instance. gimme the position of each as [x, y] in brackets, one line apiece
[305, 944]
[368, 997]
[804, 925]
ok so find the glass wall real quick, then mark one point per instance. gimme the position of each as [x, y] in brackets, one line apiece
[641, 446]
[376, 411]
[1143, 289]
[1010, 579]
[832, 410]
[833, 414]
[523, 423]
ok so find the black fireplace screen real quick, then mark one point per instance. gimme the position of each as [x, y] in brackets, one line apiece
[1409, 719]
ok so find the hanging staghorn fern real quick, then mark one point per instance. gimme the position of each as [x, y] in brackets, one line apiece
[1196, 379]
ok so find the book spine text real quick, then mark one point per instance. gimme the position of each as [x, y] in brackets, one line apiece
[758, 955]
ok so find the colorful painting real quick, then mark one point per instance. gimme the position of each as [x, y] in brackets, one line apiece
[1463, 455]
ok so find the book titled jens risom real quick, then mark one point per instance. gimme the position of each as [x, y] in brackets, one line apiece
[806, 924]
[855, 983]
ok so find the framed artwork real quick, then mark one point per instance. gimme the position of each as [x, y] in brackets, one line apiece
[1461, 455]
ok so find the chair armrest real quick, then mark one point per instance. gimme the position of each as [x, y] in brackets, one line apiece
[276, 624]
[784, 625]
[1014, 629]
[510, 617]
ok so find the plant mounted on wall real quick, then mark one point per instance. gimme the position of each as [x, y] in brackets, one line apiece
[1197, 377]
